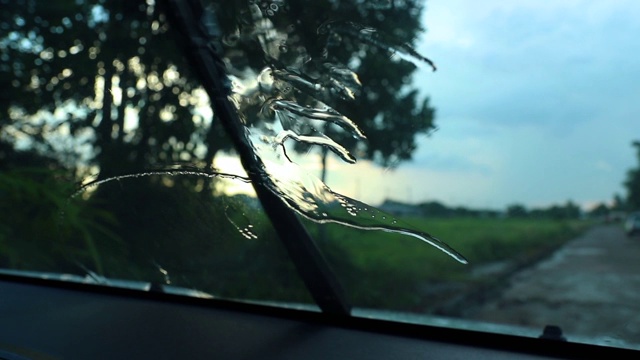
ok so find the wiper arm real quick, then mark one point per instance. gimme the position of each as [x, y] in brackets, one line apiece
[201, 38]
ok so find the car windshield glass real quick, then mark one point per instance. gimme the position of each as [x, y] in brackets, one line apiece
[304, 153]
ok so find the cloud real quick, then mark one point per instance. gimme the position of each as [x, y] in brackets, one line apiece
[529, 62]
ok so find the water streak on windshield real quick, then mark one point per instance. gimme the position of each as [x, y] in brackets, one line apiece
[374, 38]
[241, 222]
[314, 200]
[288, 100]
[171, 172]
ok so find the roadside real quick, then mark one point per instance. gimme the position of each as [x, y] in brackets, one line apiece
[590, 287]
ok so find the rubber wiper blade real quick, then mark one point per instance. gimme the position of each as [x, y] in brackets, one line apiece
[199, 30]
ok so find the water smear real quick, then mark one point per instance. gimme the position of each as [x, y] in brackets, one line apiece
[170, 172]
[235, 216]
[320, 139]
[336, 81]
[240, 221]
[164, 273]
[293, 94]
[372, 37]
[314, 200]
[322, 112]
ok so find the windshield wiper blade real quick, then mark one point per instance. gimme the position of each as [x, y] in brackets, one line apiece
[198, 28]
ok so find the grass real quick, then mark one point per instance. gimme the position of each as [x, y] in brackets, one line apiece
[394, 271]
[200, 246]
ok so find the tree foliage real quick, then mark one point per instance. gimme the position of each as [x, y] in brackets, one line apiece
[600, 210]
[109, 76]
[632, 182]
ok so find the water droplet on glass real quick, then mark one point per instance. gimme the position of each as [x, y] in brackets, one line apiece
[238, 219]
[367, 31]
[165, 274]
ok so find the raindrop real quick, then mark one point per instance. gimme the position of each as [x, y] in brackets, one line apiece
[240, 221]
[164, 273]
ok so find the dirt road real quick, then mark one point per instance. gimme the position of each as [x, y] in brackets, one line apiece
[589, 287]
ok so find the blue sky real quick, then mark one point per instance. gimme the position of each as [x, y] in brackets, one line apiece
[537, 102]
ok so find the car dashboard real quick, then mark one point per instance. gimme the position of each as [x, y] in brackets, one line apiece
[48, 319]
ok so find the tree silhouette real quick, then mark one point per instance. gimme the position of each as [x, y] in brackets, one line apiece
[116, 82]
[110, 75]
[632, 183]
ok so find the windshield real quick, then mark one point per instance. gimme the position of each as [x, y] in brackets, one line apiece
[435, 162]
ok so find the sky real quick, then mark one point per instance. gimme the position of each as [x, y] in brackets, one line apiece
[537, 102]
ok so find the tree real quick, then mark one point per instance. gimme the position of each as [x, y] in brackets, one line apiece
[108, 74]
[435, 209]
[632, 183]
[558, 212]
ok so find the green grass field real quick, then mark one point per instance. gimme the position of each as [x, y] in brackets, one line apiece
[202, 248]
[394, 271]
